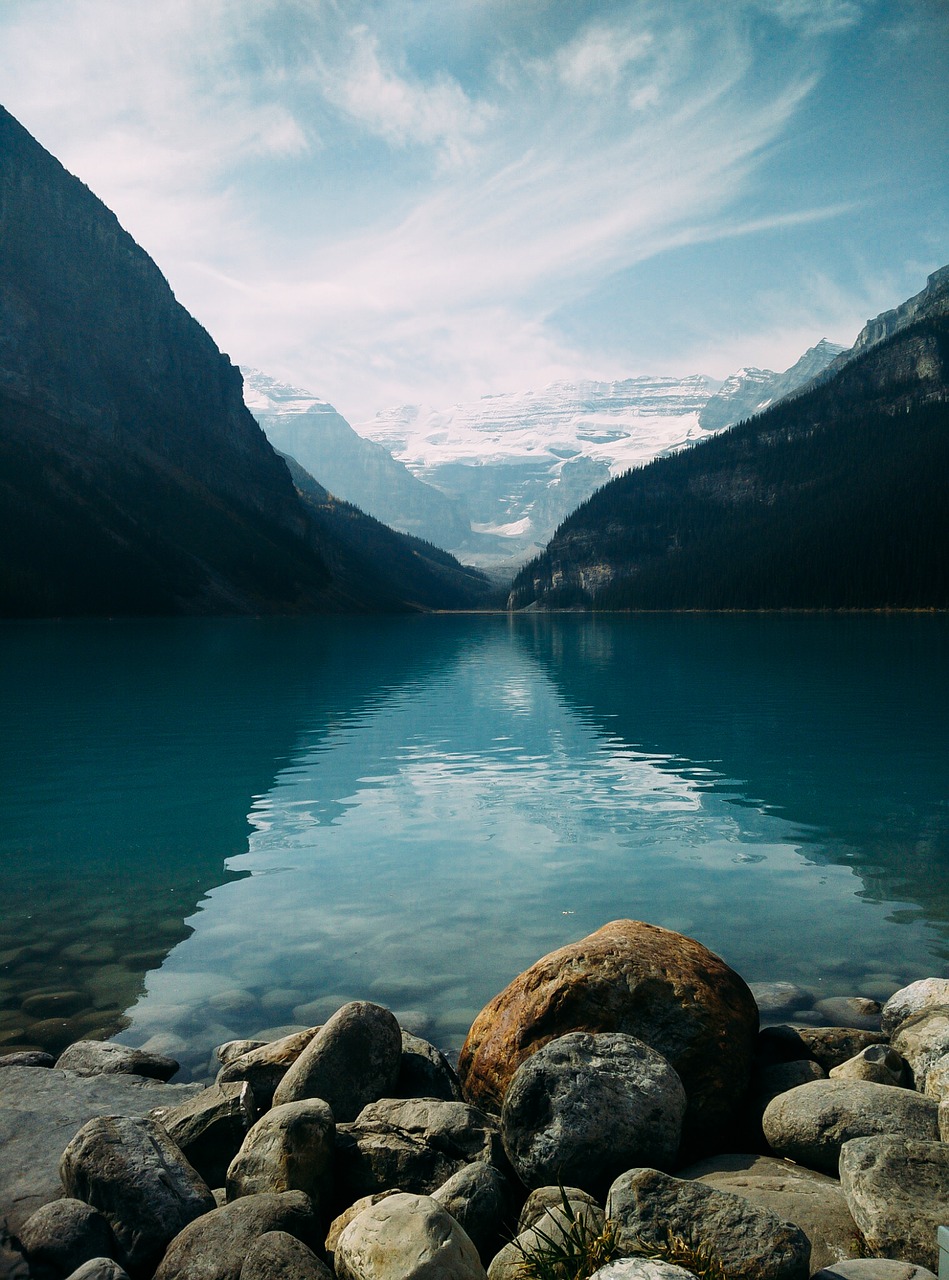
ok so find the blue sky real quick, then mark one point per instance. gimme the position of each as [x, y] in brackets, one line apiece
[397, 201]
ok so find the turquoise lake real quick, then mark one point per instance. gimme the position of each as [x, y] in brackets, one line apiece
[212, 829]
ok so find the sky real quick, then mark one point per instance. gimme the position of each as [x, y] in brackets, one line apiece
[426, 201]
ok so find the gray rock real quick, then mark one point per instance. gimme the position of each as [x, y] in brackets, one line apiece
[874, 1269]
[812, 1201]
[101, 1057]
[879, 1064]
[354, 1059]
[210, 1127]
[898, 1192]
[850, 1011]
[413, 1143]
[288, 1149]
[904, 1003]
[552, 1228]
[776, 998]
[40, 1111]
[342, 1220]
[829, 1046]
[425, 1072]
[132, 1172]
[937, 1079]
[265, 1066]
[277, 1255]
[13, 1265]
[811, 1123]
[64, 1234]
[922, 1039]
[641, 1269]
[584, 1108]
[651, 1208]
[543, 1198]
[231, 1049]
[215, 1247]
[99, 1269]
[481, 1200]
[406, 1237]
[28, 1058]
[768, 1082]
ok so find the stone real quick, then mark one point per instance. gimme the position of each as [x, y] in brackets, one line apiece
[64, 1234]
[288, 1149]
[937, 1078]
[425, 1072]
[769, 1081]
[342, 1220]
[54, 1004]
[651, 1209]
[101, 1057]
[231, 1049]
[922, 1038]
[828, 1046]
[99, 1269]
[13, 1265]
[265, 1066]
[775, 998]
[812, 1201]
[543, 1198]
[210, 1127]
[28, 1058]
[904, 1003]
[413, 1143]
[850, 1011]
[811, 1123]
[41, 1110]
[667, 990]
[879, 1064]
[215, 1246]
[641, 1269]
[584, 1108]
[354, 1059]
[898, 1192]
[873, 1269]
[406, 1237]
[131, 1171]
[481, 1200]
[553, 1228]
[277, 1255]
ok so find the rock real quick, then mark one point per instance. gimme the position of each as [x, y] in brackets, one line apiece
[101, 1057]
[904, 1003]
[13, 1265]
[232, 1049]
[665, 989]
[873, 1269]
[288, 1149]
[481, 1200]
[342, 1220]
[64, 1234]
[132, 1172]
[810, 1124]
[641, 1269]
[414, 1143]
[41, 1110]
[898, 1192]
[877, 1063]
[406, 1237]
[28, 1058]
[937, 1078]
[828, 1046]
[264, 1067]
[553, 1228]
[214, 1247]
[651, 1209]
[775, 998]
[850, 1011]
[541, 1199]
[584, 1108]
[425, 1072]
[769, 1081]
[276, 1255]
[99, 1269]
[210, 1127]
[812, 1201]
[922, 1038]
[354, 1059]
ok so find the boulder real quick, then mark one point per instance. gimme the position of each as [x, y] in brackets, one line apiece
[898, 1192]
[937, 1079]
[354, 1059]
[541, 1199]
[215, 1247]
[904, 1003]
[277, 1255]
[99, 1269]
[667, 990]
[342, 1220]
[850, 1011]
[210, 1127]
[64, 1234]
[101, 1057]
[828, 1046]
[811, 1123]
[584, 1108]
[554, 1228]
[776, 998]
[873, 1269]
[413, 1143]
[425, 1072]
[28, 1058]
[641, 1269]
[131, 1171]
[654, 1211]
[879, 1064]
[41, 1109]
[266, 1065]
[779, 1077]
[812, 1201]
[481, 1200]
[922, 1039]
[288, 1149]
[406, 1237]
[232, 1049]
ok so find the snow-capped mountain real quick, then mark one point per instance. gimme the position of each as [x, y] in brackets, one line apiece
[751, 391]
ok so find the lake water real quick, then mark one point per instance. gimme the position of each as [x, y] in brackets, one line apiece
[212, 829]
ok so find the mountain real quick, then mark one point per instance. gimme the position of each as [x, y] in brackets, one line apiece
[834, 498]
[133, 480]
[749, 391]
[355, 469]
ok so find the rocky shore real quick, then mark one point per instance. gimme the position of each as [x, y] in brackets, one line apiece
[616, 1111]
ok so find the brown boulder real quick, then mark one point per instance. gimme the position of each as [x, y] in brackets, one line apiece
[668, 990]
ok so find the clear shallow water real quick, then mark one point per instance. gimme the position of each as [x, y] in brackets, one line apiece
[212, 829]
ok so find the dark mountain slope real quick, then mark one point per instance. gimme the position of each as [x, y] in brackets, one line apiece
[834, 499]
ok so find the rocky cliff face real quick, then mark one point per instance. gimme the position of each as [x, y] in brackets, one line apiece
[751, 391]
[931, 301]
